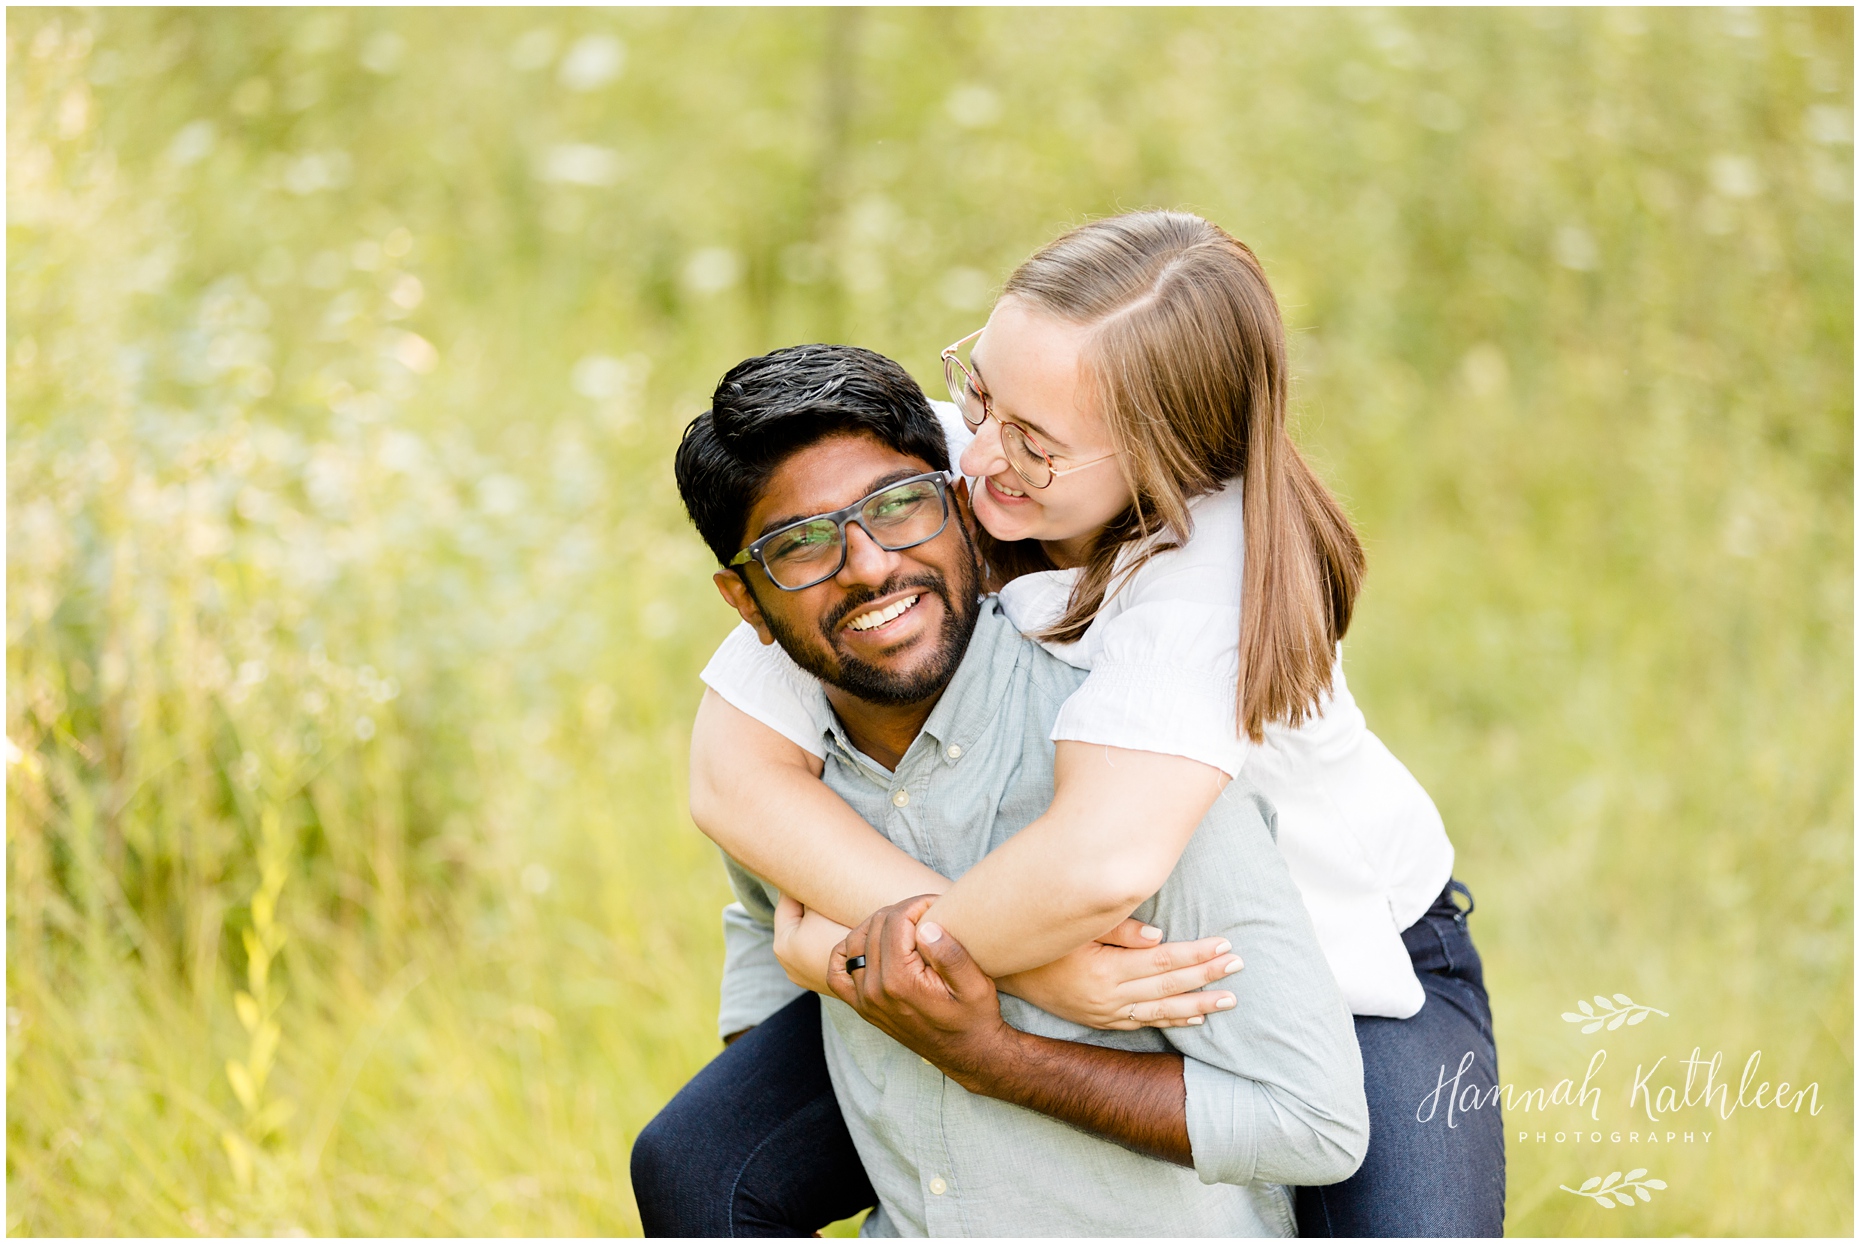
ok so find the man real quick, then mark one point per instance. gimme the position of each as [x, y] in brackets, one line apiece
[824, 494]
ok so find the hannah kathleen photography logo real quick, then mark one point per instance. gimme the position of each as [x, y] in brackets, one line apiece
[1610, 1013]
[1613, 1190]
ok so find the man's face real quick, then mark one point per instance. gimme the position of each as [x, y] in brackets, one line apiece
[833, 629]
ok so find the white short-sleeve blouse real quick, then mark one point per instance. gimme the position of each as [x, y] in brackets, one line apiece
[1361, 838]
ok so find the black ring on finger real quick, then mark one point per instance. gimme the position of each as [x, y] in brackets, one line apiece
[855, 963]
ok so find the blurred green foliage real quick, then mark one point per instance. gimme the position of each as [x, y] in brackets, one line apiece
[352, 620]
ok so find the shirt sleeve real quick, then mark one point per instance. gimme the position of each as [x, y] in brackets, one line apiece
[1165, 678]
[754, 984]
[1275, 1085]
[955, 432]
[764, 682]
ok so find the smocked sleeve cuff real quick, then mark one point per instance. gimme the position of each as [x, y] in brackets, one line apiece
[764, 682]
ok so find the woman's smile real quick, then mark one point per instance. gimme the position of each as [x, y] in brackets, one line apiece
[1031, 365]
[1005, 493]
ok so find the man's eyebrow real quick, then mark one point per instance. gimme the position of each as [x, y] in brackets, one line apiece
[890, 477]
[1047, 439]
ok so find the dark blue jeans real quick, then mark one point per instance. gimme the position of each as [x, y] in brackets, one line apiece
[755, 1144]
[1433, 1167]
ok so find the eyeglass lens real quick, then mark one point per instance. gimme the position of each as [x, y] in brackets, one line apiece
[1028, 463]
[896, 518]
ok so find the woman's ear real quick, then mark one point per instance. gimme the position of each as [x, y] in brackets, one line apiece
[731, 586]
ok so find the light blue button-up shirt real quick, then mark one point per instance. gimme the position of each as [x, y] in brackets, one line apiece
[1274, 1086]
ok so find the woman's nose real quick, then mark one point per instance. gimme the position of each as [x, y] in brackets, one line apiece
[984, 456]
[866, 562]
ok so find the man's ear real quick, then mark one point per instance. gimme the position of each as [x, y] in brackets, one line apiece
[965, 514]
[965, 504]
[740, 598]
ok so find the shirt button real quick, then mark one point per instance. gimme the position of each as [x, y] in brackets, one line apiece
[900, 798]
[954, 752]
[938, 1187]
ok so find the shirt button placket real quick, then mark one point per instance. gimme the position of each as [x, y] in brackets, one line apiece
[942, 1208]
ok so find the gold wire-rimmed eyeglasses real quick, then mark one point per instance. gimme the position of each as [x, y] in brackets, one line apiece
[1030, 461]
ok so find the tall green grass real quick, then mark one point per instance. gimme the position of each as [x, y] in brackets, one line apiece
[352, 622]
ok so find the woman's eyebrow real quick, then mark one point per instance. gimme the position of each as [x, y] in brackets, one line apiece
[1047, 439]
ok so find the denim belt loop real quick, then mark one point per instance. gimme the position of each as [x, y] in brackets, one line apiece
[1457, 886]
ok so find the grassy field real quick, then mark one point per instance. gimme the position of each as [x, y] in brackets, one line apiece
[353, 624]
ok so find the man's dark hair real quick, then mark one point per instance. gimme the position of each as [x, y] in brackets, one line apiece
[771, 406]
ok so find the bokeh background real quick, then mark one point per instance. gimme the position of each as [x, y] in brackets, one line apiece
[353, 624]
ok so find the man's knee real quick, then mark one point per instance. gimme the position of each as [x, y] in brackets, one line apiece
[667, 1175]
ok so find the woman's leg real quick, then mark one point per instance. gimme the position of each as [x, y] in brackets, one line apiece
[755, 1144]
[1431, 1170]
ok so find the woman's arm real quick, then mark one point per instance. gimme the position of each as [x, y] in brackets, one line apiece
[1125, 982]
[759, 797]
[1118, 822]
[804, 943]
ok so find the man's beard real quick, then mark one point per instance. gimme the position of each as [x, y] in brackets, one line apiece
[875, 684]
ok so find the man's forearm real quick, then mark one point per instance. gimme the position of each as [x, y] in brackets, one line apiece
[1135, 1099]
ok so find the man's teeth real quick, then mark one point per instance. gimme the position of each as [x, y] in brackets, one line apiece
[878, 617]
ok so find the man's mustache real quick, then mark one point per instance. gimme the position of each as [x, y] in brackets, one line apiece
[933, 583]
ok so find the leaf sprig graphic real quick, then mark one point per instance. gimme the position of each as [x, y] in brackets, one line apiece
[1610, 1012]
[1613, 1190]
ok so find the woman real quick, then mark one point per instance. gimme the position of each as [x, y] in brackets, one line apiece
[1148, 518]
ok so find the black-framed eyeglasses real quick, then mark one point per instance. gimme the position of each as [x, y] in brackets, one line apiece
[897, 517]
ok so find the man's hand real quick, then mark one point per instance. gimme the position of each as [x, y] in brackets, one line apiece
[920, 988]
[1126, 980]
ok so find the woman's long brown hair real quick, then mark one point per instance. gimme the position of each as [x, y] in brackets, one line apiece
[1187, 366]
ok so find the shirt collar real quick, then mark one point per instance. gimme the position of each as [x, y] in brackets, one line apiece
[967, 704]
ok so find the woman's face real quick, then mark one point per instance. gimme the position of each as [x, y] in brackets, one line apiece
[1028, 364]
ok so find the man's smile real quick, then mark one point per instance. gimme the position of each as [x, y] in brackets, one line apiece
[882, 628]
[875, 618]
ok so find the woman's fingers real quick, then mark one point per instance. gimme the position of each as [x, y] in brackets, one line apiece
[1173, 955]
[1182, 1010]
[1183, 980]
[1133, 934]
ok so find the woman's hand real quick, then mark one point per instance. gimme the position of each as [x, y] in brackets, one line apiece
[804, 941]
[1125, 980]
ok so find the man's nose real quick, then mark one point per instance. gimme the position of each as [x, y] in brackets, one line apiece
[866, 562]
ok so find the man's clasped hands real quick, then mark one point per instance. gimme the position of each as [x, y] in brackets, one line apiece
[920, 987]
